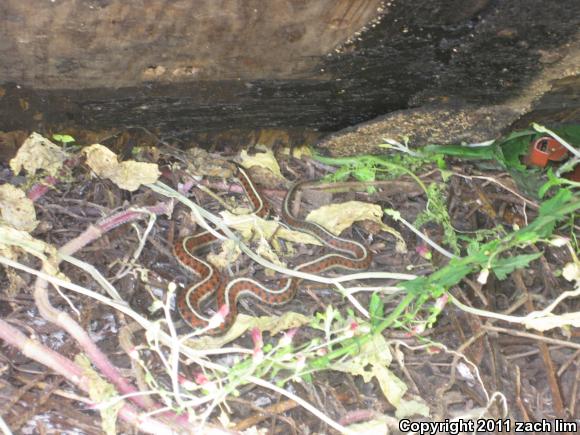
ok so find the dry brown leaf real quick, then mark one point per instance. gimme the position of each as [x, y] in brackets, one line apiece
[16, 209]
[128, 175]
[36, 153]
[10, 141]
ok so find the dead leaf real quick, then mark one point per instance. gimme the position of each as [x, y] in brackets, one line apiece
[10, 237]
[200, 162]
[229, 253]
[265, 159]
[298, 151]
[36, 153]
[337, 217]
[252, 227]
[15, 283]
[552, 321]
[373, 361]
[377, 426]
[16, 209]
[128, 175]
[244, 323]
[571, 272]
[101, 392]
[276, 324]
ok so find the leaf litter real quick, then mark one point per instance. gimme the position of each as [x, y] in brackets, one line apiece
[305, 348]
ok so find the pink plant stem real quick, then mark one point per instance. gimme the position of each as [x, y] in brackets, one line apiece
[39, 189]
[66, 322]
[38, 352]
[73, 373]
[357, 415]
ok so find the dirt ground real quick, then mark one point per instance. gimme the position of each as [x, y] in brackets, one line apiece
[465, 365]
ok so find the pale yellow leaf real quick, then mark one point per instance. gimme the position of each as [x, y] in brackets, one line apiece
[302, 150]
[298, 151]
[103, 393]
[229, 253]
[10, 237]
[409, 408]
[377, 426]
[256, 431]
[253, 227]
[571, 272]
[36, 153]
[243, 323]
[265, 159]
[16, 209]
[373, 361]
[372, 352]
[337, 217]
[128, 175]
[276, 324]
[554, 321]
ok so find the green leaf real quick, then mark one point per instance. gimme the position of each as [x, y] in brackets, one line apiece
[554, 205]
[376, 309]
[365, 173]
[63, 138]
[341, 174]
[479, 153]
[552, 181]
[445, 174]
[570, 133]
[502, 267]
[510, 150]
[307, 377]
[436, 211]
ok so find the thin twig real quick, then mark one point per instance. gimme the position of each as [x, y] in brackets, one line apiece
[544, 351]
[532, 336]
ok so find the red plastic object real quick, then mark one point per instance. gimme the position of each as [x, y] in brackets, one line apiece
[546, 149]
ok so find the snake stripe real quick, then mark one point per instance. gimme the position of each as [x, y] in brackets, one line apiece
[349, 255]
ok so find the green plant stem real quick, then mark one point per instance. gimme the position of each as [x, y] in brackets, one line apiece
[324, 361]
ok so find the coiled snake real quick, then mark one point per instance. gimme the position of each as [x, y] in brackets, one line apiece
[348, 254]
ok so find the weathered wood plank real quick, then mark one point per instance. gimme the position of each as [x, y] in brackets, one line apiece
[72, 44]
[451, 52]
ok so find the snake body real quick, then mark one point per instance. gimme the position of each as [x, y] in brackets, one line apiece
[349, 255]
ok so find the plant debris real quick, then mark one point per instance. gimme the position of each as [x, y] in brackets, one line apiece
[469, 311]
